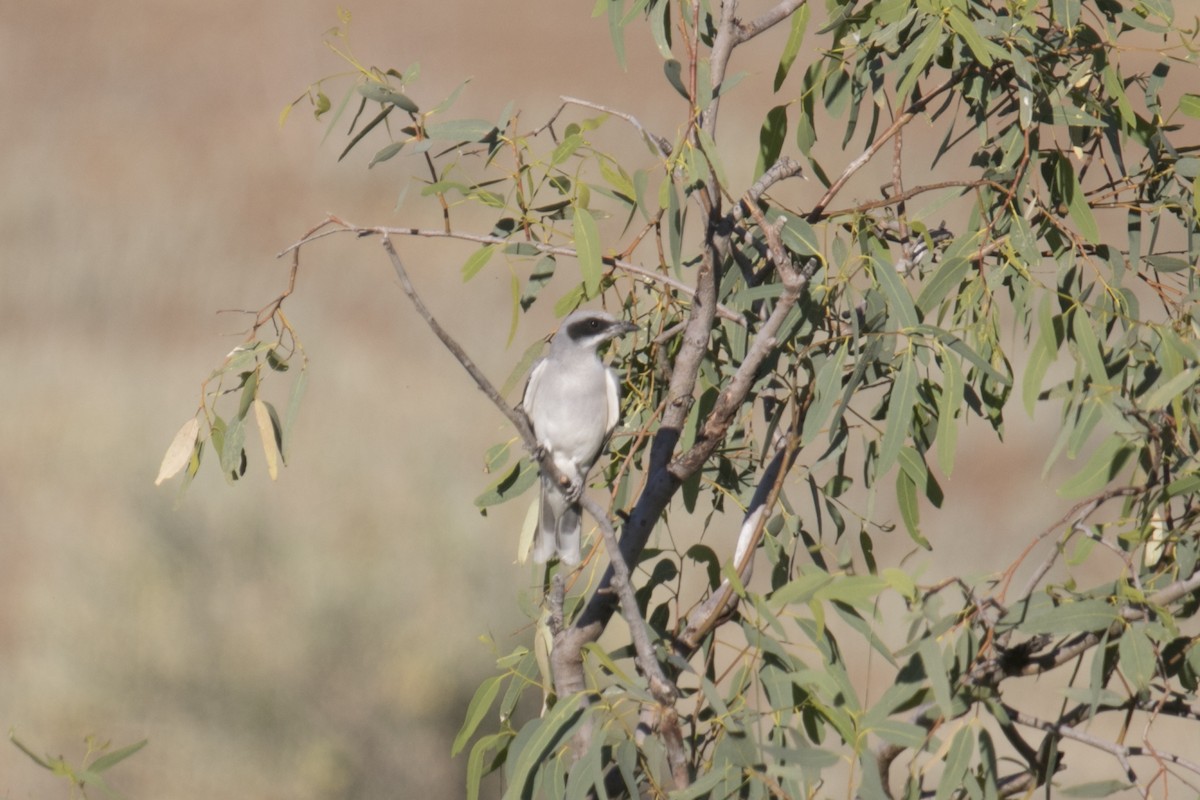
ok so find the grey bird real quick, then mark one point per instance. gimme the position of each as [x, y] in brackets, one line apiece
[572, 401]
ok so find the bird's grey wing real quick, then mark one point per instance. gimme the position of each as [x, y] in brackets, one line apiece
[529, 398]
[612, 387]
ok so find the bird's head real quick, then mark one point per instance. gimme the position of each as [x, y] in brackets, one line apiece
[589, 329]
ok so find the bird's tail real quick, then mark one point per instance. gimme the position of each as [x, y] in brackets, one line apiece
[559, 528]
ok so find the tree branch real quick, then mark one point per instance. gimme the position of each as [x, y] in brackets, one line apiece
[1121, 753]
[662, 144]
[768, 20]
[485, 239]
[661, 687]
[917, 106]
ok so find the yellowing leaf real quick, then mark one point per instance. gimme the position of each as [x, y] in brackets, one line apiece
[180, 452]
[266, 430]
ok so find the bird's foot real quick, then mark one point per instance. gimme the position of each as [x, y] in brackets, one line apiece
[571, 489]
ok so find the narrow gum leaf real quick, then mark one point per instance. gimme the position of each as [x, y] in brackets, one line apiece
[267, 431]
[180, 451]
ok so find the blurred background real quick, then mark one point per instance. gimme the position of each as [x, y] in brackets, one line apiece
[318, 636]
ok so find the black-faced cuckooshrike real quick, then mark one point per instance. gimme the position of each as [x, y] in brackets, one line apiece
[572, 402]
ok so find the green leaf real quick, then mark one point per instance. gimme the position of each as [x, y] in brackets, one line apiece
[477, 709]
[382, 93]
[387, 152]
[293, 410]
[475, 762]
[797, 234]
[709, 148]
[949, 402]
[792, 48]
[1189, 104]
[1137, 659]
[616, 30]
[958, 760]
[569, 301]
[1164, 393]
[109, 760]
[770, 139]
[547, 732]
[935, 670]
[460, 130]
[370, 126]
[249, 393]
[923, 49]
[674, 72]
[801, 590]
[1082, 616]
[1077, 204]
[855, 590]
[961, 24]
[231, 450]
[1104, 465]
[900, 302]
[904, 734]
[906, 498]
[1087, 345]
[948, 275]
[1040, 359]
[1110, 788]
[566, 148]
[477, 261]
[1066, 12]
[587, 248]
[899, 414]
[511, 484]
[827, 388]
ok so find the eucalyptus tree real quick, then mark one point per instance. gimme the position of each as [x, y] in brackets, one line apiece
[813, 344]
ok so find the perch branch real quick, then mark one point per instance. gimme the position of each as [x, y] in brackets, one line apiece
[664, 691]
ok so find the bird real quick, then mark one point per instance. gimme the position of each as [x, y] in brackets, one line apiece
[573, 402]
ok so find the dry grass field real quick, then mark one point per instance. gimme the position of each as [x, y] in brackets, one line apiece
[315, 637]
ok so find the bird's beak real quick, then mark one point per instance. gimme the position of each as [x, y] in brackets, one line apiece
[623, 328]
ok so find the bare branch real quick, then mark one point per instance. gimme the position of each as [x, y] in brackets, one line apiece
[479, 238]
[782, 169]
[768, 20]
[817, 210]
[1121, 753]
[662, 144]
[664, 690]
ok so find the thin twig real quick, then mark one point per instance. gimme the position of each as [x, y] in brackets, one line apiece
[478, 238]
[817, 210]
[662, 144]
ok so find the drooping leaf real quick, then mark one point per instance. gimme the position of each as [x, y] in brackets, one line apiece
[792, 48]
[511, 484]
[179, 452]
[476, 261]
[1137, 660]
[268, 431]
[770, 139]
[109, 760]
[899, 414]
[587, 247]
[477, 709]
[1104, 465]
